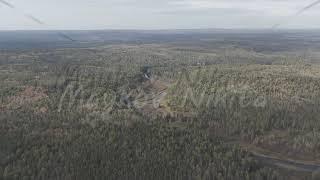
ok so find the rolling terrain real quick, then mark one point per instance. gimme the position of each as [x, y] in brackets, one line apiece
[184, 104]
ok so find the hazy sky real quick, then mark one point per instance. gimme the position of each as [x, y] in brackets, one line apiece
[157, 14]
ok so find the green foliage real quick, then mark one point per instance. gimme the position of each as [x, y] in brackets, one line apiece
[92, 135]
[51, 150]
[250, 101]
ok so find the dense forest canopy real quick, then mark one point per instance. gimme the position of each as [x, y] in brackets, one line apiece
[215, 106]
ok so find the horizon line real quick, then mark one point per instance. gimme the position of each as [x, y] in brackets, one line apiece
[160, 29]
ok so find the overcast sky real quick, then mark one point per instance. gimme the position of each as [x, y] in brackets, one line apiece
[157, 14]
